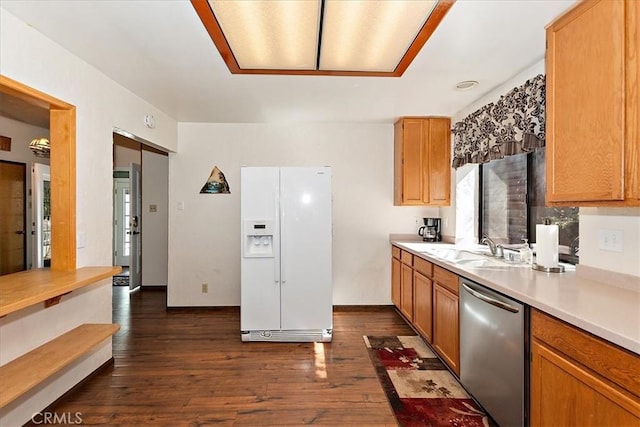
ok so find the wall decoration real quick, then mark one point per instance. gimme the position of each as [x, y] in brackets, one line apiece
[514, 124]
[5, 143]
[216, 184]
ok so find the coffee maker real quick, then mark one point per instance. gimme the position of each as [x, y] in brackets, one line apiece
[430, 231]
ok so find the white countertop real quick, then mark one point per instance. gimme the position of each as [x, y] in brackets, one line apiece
[606, 310]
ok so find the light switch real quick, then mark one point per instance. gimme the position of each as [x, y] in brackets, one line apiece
[81, 241]
[181, 205]
[153, 208]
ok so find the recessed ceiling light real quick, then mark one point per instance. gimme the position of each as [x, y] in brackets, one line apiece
[466, 85]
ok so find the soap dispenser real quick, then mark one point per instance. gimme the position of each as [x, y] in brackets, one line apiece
[526, 254]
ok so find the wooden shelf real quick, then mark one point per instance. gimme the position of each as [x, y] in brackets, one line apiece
[27, 288]
[27, 371]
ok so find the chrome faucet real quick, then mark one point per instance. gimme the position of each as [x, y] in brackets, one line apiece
[497, 250]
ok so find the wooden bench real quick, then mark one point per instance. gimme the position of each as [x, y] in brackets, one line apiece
[32, 368]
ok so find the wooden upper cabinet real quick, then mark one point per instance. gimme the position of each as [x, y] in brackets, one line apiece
[422, 161]
[592, 105]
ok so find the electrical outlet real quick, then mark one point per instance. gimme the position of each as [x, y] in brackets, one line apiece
[610, 240]
[205, 288]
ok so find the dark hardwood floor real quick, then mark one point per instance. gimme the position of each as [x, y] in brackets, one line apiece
[189, 367]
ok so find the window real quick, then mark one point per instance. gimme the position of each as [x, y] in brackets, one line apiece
[512, 202]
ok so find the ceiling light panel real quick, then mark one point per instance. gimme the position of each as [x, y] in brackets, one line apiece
[370, 35]
[270, 34]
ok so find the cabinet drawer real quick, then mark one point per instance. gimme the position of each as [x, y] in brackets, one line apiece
[446, 278]
[613, 363]
[406, 257]
[423, 266]
[395, 252]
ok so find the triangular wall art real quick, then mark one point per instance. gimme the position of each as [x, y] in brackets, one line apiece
[216, 184]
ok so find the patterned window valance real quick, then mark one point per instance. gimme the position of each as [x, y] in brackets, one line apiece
[512, 125]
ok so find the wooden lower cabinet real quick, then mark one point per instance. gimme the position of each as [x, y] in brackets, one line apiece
[406, 293]
[396, 277]
[580, 380]
[423, 305]
[446, 326]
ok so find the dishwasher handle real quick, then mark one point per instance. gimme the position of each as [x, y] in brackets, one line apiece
[489, 300]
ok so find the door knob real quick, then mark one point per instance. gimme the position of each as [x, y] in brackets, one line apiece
[20, 232]
[135, 232]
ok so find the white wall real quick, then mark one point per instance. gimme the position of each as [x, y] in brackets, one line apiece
[627, 220]
[101, 104]
[124, 156]
[591, 219]
[155, 183]
[204, 238]
[21, 134]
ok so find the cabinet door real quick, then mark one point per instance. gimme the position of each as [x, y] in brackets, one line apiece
[422, 305]
[396, 278]
[585, 64]
[412, 154]
[446, 329]
[567, 394]
[437, 186]
[406, 301]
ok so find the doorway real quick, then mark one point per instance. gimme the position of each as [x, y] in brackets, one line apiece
[140, 211]
[41, 215]
[13, 254]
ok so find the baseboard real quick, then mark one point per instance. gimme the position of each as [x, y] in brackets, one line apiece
[373, 308]
[234, 308]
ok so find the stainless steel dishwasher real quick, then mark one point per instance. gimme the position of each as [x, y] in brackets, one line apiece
[492, 352]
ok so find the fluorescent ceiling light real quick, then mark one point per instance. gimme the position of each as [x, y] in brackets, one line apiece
[370, 35]
[328, 37]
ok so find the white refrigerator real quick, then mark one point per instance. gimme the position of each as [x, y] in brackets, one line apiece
[286, 279]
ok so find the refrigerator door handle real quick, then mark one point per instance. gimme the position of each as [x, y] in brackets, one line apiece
[276, 248]
[283, 245]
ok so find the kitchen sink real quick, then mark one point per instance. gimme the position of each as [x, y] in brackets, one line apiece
[477, 257]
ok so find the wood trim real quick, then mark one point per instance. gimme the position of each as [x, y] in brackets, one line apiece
[203, 9]
[27, 371]
[30, 95]
[30, 287]
[126, 142]
[5, 143]
[63, 170]
[437, 15]
[63, 189]
[154, 150]
[613, 363]
[632, 91]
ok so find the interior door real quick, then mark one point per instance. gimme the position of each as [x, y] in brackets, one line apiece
[41, 216]
[12, 217]
[121, 218]
[135, 227]
[305, 252]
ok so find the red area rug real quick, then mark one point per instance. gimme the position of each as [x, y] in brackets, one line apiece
[420, 389]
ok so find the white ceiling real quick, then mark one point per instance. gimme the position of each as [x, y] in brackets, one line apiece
[160, 50]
